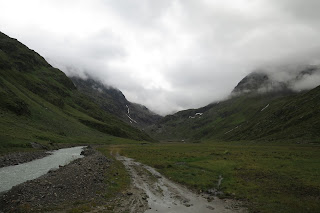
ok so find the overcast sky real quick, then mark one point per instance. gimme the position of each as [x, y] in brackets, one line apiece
[166, 54]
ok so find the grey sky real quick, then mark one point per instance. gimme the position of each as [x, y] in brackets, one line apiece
[170, 54]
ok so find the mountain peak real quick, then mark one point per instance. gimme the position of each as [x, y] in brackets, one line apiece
[281, 81]
[258, 82]
[98, 87]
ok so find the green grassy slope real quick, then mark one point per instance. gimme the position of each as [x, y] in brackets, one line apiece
[269, 116]
[39, 103]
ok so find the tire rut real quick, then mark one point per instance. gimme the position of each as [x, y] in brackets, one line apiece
[162, 195]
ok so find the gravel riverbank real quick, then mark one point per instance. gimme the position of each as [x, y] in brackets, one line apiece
[21, 157]
[82, 179]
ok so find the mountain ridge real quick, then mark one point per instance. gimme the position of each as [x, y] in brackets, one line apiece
[265, 81]
[112, 100]
[39, 103]
[249, 114]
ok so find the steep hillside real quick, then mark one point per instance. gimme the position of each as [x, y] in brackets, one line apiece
[113, 101]
[274, 115]
[39, 103]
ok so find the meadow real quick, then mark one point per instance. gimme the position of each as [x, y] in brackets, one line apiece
[266, 177]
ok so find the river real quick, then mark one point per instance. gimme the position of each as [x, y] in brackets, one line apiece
[13, 175]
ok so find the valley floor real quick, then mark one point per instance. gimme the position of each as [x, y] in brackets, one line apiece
[266, 177]
[164, 196]
[246, 176]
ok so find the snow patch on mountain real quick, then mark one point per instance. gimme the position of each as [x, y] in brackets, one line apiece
[197, 115]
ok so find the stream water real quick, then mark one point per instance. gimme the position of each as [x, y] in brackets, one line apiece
[13, 175]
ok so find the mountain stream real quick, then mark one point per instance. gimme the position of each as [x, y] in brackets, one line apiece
[14, 175]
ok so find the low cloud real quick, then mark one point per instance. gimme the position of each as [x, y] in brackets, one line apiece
[170, 54]
[281, 78]
[307, 82]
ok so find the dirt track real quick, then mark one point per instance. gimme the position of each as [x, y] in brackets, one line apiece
[84, 180]
[163, 195]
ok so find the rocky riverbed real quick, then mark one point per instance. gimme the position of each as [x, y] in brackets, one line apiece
[81, 186]
[81, 180]
[39, 151]
[21, 157]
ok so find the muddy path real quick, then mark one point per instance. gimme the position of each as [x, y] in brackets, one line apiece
[159, 194]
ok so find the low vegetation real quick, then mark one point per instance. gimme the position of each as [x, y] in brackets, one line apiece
[271, 161]
[268, 178]
[118, 179]
[284, 117]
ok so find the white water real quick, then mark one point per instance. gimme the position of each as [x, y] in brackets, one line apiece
[13, 175]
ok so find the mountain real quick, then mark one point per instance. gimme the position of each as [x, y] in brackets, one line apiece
[39, 103]
[279, 82]
[274, 114]
[258, 82]
[113, 101]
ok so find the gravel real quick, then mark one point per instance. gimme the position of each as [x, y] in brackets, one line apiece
[82, 179]
[21, 157]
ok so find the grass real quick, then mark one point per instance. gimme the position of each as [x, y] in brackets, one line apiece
[39, 103]
[87, 207]
[289, 118]
[117, 177]
[270, 178]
